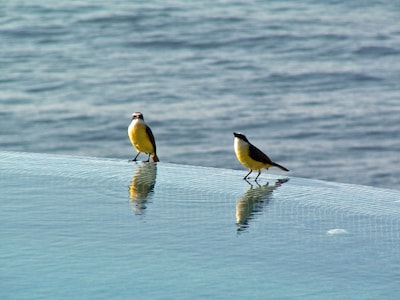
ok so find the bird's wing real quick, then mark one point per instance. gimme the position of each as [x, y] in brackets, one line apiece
[258, 155]
[151, 138]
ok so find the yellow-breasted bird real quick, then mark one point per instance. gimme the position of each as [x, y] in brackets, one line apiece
[142, 137]
[251, 157]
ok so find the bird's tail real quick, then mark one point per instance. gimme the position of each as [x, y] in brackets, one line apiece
[279, 166]
[155, 157]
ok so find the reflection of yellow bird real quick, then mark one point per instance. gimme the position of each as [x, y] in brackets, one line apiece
[251, 157]
[142, 185]
[142, 137]
[253, 201]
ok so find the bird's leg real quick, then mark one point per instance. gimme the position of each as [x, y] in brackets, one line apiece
[134, 159]
[259, 172]
[248, 182]
[148, 159]
[245, 177]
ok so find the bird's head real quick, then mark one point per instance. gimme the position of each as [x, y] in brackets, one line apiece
[137, 115]
[240, 136]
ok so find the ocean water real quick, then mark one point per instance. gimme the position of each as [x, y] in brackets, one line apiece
[313, 84]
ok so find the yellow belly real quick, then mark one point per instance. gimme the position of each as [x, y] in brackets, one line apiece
[140, 139]
[242, 154]
[248, 162]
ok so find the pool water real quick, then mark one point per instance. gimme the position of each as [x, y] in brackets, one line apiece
[88, 228]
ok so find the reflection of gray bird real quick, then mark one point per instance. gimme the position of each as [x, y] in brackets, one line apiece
[253, 201]
[142, 185]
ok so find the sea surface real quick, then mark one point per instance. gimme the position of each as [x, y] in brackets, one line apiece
[314, 84]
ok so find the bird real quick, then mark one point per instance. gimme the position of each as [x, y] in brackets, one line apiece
[142, 137]
[251, 157]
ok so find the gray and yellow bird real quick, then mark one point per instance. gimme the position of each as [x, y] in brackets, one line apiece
[251, 157]
[142, 137]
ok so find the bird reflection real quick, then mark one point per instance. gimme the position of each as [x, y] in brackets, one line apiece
[142, 186]
[253, 201]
